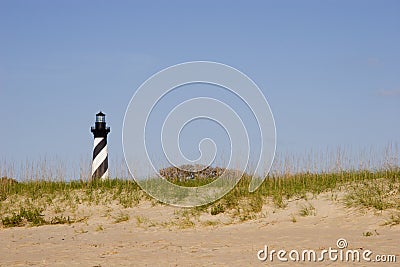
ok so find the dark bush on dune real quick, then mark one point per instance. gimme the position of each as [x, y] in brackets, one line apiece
[195, 173]
[189, 172]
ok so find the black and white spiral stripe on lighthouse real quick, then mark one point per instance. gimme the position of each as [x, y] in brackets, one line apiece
[100, 153]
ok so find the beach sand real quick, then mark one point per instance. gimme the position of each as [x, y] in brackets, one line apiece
[154, 236]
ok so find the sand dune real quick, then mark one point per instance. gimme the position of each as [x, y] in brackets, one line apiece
[156, 236]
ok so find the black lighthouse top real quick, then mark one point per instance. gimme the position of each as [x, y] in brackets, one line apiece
[100, 129]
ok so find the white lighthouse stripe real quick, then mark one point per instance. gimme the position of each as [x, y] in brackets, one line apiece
[97, 140]
[99, 159]
[105, 175]
[95, 167]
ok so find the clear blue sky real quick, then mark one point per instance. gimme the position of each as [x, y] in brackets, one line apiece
[329, 69]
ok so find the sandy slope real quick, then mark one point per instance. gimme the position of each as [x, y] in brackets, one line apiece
[135, 243]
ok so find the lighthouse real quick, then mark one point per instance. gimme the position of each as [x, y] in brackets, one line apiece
[100, 153]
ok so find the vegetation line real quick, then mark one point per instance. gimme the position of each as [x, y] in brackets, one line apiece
[31, 202]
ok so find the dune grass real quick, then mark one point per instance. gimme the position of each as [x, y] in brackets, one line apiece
[24, 203]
